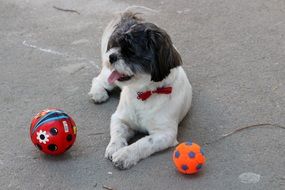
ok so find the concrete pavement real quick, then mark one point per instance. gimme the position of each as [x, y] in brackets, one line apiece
[233, 53]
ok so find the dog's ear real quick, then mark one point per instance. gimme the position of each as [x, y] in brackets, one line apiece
[166, 56]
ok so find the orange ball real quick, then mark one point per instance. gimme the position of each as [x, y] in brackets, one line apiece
[188, 158]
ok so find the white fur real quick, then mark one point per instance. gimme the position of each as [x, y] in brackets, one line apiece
[159, 115]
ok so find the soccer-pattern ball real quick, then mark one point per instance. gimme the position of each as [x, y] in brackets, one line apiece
[189, 158]
[53, 131]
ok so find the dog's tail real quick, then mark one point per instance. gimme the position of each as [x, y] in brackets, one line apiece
[133, 12]
[127, 15]
[140, 9]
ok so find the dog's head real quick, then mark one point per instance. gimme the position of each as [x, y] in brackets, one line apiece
[141, 49]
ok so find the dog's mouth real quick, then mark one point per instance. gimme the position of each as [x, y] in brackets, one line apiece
[116, 76]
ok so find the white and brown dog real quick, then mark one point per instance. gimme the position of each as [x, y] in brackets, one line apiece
[140, 58]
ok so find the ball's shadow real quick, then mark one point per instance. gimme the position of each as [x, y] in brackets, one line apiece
[57, 158]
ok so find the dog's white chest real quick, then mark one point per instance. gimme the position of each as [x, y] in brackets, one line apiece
[142, 115]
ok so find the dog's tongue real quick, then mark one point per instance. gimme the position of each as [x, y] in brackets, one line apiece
[114, 76]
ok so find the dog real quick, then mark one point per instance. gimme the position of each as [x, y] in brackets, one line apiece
[139, 57]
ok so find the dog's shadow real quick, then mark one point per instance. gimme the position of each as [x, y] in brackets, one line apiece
[115, 93]
[137, 137]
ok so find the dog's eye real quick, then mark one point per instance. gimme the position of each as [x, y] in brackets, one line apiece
[128, 51]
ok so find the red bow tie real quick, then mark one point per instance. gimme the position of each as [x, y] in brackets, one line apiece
[145, 95]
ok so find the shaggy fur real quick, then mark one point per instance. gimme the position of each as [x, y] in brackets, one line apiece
[139, 56]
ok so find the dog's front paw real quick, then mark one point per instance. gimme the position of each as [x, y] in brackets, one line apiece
[114, 147]
[99, 97]
[124, 158]
[98, 94]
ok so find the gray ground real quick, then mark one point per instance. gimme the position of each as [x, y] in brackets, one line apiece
[233, 54]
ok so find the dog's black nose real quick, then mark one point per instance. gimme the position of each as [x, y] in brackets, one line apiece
[113, 58]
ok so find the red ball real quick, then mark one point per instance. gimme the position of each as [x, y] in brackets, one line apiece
[189, 158]
[53, 131]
